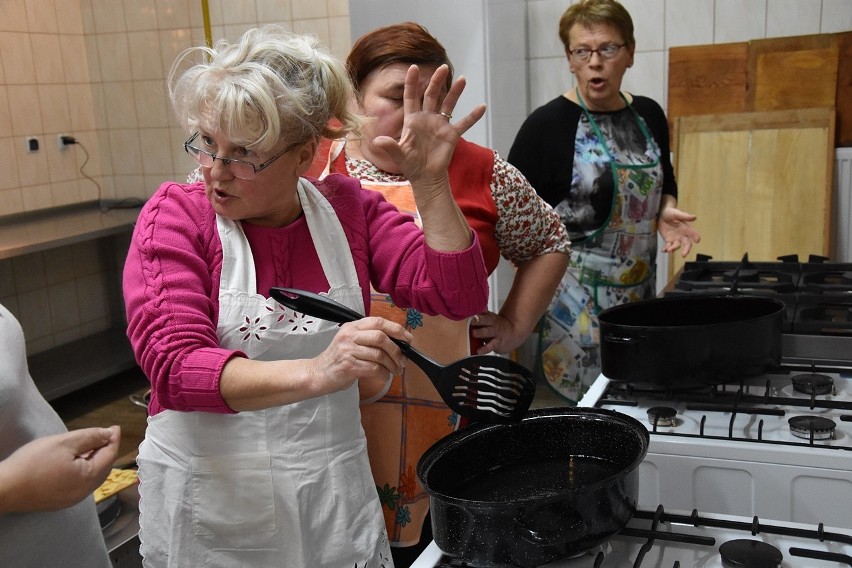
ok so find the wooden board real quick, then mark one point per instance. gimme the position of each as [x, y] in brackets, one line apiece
[707, 79]
[843, 99]
[792, 72]
[759, 182]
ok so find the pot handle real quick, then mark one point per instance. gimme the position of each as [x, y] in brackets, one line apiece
[623, 339]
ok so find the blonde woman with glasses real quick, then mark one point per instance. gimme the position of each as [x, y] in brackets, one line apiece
[254, 453]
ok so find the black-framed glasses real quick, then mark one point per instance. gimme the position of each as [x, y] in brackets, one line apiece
[607, 51]
[239, 168]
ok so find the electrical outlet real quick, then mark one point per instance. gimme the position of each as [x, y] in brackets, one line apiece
[65, 140]
[32, 144]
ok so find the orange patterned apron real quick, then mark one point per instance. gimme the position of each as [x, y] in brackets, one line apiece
[408, 415]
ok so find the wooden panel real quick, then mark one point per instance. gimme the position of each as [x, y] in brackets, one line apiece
[759, 183]
[844, 89]
[792, 72]
[707, 79]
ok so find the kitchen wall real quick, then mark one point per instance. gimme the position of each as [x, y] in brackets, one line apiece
[94, 69]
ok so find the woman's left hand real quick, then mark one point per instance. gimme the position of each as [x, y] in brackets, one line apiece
[429, 136]
[500, 334]
[675, 228]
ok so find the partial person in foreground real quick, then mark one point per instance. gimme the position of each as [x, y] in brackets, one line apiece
[47, 474]
[407, 415]
[600, 156]
[254, 454]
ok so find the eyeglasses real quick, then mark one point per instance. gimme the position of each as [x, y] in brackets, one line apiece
[608, 51]
[239, 168]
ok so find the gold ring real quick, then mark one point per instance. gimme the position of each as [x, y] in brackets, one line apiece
[449, 116]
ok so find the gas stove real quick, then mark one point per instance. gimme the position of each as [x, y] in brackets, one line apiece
[817, 294]
[778, 446]
[659, 538]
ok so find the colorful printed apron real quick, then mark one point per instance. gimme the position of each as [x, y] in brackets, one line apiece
[288, 486]
[406, 415]
[613, 265]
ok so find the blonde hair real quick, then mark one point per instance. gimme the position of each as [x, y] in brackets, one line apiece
[270, 85]
[588, 13]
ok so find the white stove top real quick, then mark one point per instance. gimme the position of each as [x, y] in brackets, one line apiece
[735, 454]
[675, 539]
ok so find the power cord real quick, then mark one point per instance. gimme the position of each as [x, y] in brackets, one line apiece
[127, 203]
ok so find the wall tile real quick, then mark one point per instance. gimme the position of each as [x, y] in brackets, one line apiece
[11, 201]
[549, 78]
[37, 197]
[317, 27]
[10, 178]
[792, 17]
[126, 151]
[648, 23]
[47, 55]
[337, 8]
[26, 114]
[689, 22]
[53, 101]
[172, 43]
[14, 16]
[91, 297]
[7, 278]
[65, 192]
[114, 55]
[64, 310]
[34, 313]
[41, 16]
[836, 16]
[141, 15]
[153, 108]
[80, 107]
[647, 77]
[306, 9]
[156, 154]
[239, 13]
[5, 115]
[74, 58]
[175, 14]
[274, 11]
[108, 16]
[340, 41]
[145, 55]
[62, 164]
[120, 102]
[69, 17]
[17, 60]
[543, 28]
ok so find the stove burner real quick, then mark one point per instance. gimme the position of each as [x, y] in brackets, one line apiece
[662, 416]
[802, 426]
[748, 553]
[813, 383]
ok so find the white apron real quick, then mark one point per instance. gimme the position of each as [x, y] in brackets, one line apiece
[287, 486]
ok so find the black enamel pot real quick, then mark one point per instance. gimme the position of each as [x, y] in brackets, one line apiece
[684, 341]
[556, 484]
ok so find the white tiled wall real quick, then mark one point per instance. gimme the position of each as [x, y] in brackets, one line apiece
[663, 24]
[95, 69]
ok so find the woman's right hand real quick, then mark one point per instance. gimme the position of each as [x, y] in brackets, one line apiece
[361, 350]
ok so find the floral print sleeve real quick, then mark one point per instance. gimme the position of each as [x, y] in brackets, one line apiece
[526, 225]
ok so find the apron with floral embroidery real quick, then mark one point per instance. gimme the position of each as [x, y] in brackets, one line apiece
[288, 486]
[405, 416]
[614, 263]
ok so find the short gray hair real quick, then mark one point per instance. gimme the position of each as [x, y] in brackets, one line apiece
[269, 85]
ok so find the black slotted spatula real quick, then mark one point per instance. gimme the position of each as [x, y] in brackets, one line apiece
[485, 388]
